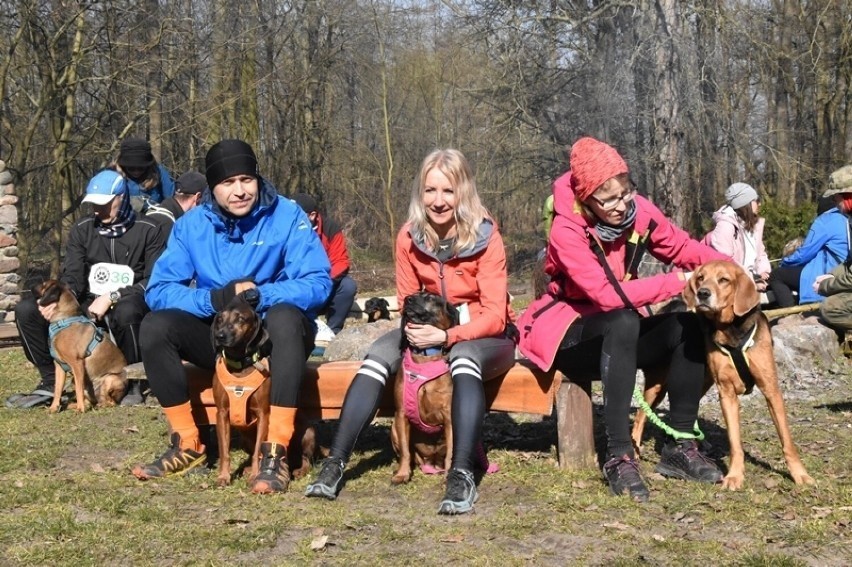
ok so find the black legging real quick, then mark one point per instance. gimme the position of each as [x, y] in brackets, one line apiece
[783, 281]
[471, 362]
[172, 335]
[613, 345]
[124, 320]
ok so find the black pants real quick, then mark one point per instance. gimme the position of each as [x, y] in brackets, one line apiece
[123, 321]
[172, 335]
[783, 281]
[613, 345]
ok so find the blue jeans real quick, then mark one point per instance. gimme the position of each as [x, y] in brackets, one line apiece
[340, 302]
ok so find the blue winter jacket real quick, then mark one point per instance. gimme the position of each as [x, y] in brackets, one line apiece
[156, 194]
[274, 246]
[826, 245]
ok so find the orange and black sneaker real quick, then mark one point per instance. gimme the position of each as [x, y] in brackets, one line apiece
[174, 462]
[274, 473]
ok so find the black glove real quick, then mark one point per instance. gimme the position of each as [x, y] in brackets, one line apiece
[220, 298]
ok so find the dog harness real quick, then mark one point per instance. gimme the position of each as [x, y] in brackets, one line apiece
[63, 324]
[739, 358]
[415, 376]
[239, 391]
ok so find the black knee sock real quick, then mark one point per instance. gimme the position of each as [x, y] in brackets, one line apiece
[468, 411]
[360, 403]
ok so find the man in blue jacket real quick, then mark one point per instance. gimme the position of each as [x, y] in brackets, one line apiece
[242, 239]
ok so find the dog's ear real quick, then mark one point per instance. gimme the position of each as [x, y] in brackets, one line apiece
[690, 289]
[746, 296]
[50, 293]
[213, 326]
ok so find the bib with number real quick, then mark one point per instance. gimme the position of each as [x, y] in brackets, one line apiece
[105, 277]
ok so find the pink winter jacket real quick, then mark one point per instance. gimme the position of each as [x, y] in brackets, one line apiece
[728, 237]
[580, 286]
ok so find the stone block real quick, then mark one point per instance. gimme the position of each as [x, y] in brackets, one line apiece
[9, 265]
[8, 199]
[8, 215]
[5, 177]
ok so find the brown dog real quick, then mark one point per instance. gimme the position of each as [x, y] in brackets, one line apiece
[428, 399]
[76, 343]
[241, 389]
[727, 299]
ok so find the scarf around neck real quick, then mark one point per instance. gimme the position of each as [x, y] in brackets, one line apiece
[610, 232]
[125, 219]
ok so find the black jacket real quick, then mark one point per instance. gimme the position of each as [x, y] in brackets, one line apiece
[137, 248]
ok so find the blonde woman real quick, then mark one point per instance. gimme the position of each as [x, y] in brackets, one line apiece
[450, 246]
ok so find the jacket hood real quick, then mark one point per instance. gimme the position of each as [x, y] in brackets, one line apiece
[486, 229]
[235, 227]
[564, 197]
[725, 214]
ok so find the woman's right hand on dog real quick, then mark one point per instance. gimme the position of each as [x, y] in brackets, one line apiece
[425, 336]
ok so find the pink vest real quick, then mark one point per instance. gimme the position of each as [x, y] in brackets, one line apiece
[415, 376]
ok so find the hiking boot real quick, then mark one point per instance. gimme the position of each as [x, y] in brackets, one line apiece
[682, 459]
[174, 462]
[461, 493]
[328, 479]
[622, 473]
[274, 473]
[133, 397]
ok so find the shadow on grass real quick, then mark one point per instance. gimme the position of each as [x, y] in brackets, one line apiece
[836, 407]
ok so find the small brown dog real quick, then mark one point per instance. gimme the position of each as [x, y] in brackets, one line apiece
[78, 345]
[241, 389]
[423, 393]
[739, 356]
[376, 308]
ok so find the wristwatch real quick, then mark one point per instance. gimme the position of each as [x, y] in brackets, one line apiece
[114, 296]
[252, 297]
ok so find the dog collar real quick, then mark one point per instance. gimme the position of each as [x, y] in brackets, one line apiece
[245, 362]
[739, 358]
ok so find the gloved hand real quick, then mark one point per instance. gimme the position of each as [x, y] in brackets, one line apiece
[221, 297]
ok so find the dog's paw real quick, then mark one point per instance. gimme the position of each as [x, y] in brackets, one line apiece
[803, 478]
[733, 481]
[401, 478]
[223, 481]
[54, 408]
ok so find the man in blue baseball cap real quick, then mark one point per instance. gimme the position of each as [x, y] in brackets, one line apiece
[108, 260]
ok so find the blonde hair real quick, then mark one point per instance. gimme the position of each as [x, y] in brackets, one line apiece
[468, 211]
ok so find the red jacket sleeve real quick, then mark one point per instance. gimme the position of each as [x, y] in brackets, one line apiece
[337, 255]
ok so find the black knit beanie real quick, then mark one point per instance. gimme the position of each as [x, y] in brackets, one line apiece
[227, 159]
[135, 153]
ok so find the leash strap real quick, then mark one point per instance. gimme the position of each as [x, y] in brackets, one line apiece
[698, 435]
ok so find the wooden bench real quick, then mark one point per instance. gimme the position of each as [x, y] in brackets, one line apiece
[524, 389]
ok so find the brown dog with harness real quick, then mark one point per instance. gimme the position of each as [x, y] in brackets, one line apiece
[78, 345]
[241, 390]
[241, 384]
[739, 357]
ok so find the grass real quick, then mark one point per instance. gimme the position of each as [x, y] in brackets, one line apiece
[68, 498]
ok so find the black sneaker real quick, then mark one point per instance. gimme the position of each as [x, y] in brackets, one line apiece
[622, 473]
[174, 462]
[683, 460]
[461, 493]
[328, 479]
[134, 396]
[274, 473]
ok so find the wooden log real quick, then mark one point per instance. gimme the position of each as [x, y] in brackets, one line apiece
[784, 311]
[575, 434]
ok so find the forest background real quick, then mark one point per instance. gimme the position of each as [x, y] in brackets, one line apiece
[344, 98]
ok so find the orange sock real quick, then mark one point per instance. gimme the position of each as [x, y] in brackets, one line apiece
[282, 424]
[181, 421]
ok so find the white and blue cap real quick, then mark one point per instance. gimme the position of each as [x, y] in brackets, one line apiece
[104, 187]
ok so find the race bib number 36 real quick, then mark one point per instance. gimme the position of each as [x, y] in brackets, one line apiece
[106, 277]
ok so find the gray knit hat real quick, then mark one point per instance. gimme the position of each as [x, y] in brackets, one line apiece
[740, 194]
[840, 181]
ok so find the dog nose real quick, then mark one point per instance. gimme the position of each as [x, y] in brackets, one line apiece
[703, 293]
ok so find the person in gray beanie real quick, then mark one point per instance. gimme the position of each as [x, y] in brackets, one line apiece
[738, 232]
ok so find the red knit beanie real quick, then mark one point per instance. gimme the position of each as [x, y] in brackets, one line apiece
[592, 163]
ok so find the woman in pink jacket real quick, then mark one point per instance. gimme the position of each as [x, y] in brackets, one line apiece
[450, 246]
[595, 318]
[738, 232]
